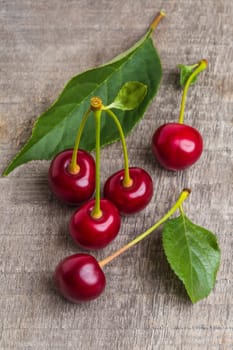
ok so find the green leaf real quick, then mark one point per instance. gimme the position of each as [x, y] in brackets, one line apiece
[193, 254]
[185, 72]
[55, 129]
[130, 96]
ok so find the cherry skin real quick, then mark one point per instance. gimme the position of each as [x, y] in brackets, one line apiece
[72, 189]
[93, 233]
[130, 199]
[79, 277]
[177, 146]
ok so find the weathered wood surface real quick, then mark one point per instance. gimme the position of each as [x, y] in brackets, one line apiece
[43, 43]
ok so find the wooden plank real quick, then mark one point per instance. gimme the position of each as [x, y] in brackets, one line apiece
[43, 44]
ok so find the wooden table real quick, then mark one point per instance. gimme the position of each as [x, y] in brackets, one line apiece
[144, 307]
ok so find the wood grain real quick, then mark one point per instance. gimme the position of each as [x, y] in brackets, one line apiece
[44, 43]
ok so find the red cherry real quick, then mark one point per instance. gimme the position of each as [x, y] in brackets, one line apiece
[133, 198]
[72, 188]
[177, 146]
[93, 233]
[79, 278]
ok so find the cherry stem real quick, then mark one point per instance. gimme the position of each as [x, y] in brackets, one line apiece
[183, 195]
[127, 181]
[156, 21]
[73, 166]
[200, 67]
[96, 105]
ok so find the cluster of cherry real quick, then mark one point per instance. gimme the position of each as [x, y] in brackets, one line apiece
[74, 181]
[74, 176]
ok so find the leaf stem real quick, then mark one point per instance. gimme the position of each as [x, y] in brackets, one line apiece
[183, 195]
[127, 181]
[96, 105]
[73, 166]
[156, 21]
[181, 210]
[201, 66]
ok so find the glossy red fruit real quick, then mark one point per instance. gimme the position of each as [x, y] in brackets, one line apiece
[72, 189]
[79, 278]
[177, 146]
[133, 198]
[92, 233]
